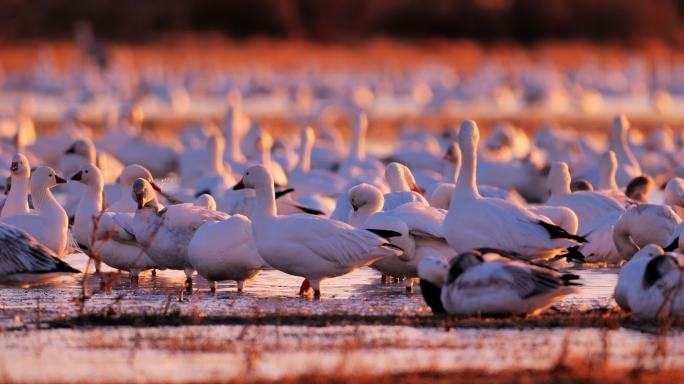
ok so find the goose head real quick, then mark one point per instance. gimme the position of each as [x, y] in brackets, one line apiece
[581, 185]
[674, 191]
[469, 135]
[657, 268]
[83, 148]
[365, 195]
[20, 166]
[90, 175]
[135, 171]
[206, 200]
[650, 250]
[433, 271]
[45, 178]
[256, 177]
[639, 188]
[462, 263]
[144, 195]
[559, 178]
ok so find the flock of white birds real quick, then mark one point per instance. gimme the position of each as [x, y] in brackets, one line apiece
[486, 227]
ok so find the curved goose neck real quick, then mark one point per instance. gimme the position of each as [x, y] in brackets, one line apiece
[304, 164]
[607, 172]
[216, 149]
[18, 194]
[232, 143]
[265, 197]
[360, 216]
[466, 184]
[358, 147]
[621, 146]
[46, 204]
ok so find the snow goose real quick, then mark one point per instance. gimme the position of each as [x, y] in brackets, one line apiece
[206, 200]
[17, 198]
[441, 195]
[225, 250]
[262, 156]
[491, 284]
[328, 152]
[474, 221]
[215, 176]
[658, 292]
[628, 167]
[639, 189]
[631, 274]
[357, 163]
[307, 181]
[24, 261]
[305, 245]
[49, 223]
[420, 227]
[644, 224]
[166, 233]
[103, 246]
[607, 185]
[128, 176]
[232, 153]
[83, 151]
[587, 205]
[674, 194]
[403, 187]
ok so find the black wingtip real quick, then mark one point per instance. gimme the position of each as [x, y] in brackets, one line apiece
[62, 266]
[574, 254]
[310, 211]
[673, 245]
[432, 295]
[281, 193]
[392, 246]
[556, 232]
[384, 233]
[202, 192]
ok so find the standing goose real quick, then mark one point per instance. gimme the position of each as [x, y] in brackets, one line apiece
[628, 166]
[49, 223]
[313, 247]
[24, 261]
[491, 284]
[17, 198]
[474, 221]
[307, 181]
[165, 233]
[420, 227]
[126, 256]
[225, 250]
[357, 164]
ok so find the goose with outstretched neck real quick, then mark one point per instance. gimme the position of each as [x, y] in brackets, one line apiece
[17, 197]
[474, 221]
[628, 166]
[49, 223]
[309, 246]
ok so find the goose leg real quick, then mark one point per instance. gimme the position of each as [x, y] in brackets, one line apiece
[316, 285]
[383, 278]
[154, 272]
[213, 287]
[409, 285]
[98, 264]
[188, 280]
[306, 286]
[135, 277]
[240, 285]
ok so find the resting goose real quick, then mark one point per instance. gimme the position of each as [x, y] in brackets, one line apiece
[17, 198]
[25, 262]
[165, 233]
[403, 187]
[491, 284]
[587, 205]
[631, 274]
[313, 247]
[103, 246]
[657, 294]
[474, 221]
[225, 250]
[48, 223]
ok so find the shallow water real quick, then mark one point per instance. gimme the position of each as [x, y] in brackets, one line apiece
[272, 292]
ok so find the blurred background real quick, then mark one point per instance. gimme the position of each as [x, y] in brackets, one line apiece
[349, 20]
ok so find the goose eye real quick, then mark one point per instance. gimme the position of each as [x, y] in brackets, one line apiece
[86, 171]
[50, 175]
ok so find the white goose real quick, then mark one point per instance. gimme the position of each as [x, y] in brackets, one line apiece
[216, 176]
[125, 203]
[490, 284]
[357, 164]
[631, 274]
[587, 205]
[403, 187]
[304, 245]
[225, 250]
[49, 223]
[17, 198]
[628, 167]
[474, 221]
[25, 262]
[607, 185]
[102, 246]
[420, 227]
[307, 181]
[658, 292]
[166, 233]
